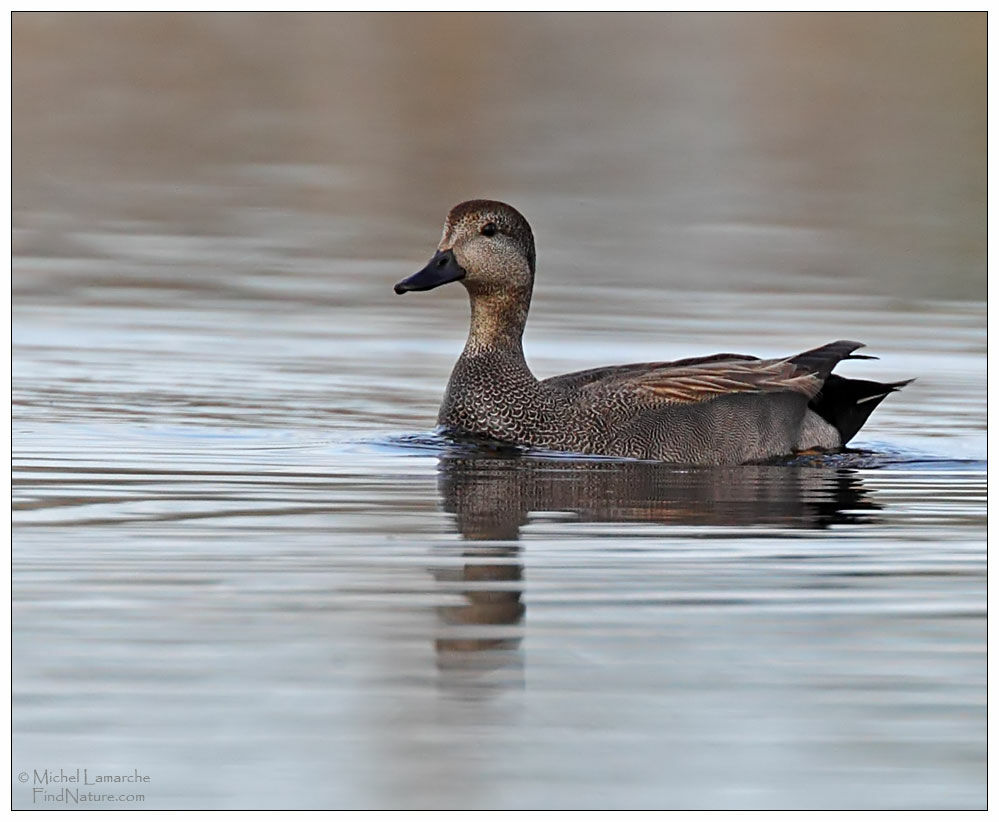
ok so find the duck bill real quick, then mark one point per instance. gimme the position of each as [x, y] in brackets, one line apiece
[443, 268]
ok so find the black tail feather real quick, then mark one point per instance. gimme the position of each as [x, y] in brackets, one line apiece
[823, 360]
[846, 403]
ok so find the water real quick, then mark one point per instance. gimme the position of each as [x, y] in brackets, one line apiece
[244, 564]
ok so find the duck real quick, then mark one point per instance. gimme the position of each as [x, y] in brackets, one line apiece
[720, 409]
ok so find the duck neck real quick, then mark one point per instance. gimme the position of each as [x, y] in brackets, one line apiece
[491, 383]
[498, 321]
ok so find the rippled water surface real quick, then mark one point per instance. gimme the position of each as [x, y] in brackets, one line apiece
[246, 566]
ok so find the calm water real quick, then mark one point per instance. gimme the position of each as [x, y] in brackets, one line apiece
[244, 564]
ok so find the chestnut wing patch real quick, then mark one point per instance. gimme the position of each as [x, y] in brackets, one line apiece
[705, 381]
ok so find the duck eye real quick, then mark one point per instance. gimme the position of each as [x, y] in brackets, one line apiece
[488, 230]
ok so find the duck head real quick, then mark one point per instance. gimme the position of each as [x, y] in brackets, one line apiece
[487, 245]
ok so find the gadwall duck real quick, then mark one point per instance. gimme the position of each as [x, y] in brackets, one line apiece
[715, 410]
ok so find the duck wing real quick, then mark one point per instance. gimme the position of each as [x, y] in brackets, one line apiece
[576, 380]
[701, 379]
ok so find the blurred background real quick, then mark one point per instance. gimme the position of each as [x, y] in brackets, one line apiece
[839, 152]
[245, 565]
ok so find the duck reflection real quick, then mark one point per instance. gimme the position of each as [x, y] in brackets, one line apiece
[493, 495]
